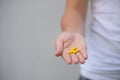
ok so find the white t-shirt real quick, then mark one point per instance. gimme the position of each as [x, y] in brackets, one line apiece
[103, 42]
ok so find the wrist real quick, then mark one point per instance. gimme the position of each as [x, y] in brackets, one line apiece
[74, 31]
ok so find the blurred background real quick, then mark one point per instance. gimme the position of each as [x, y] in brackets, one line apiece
[28, 29]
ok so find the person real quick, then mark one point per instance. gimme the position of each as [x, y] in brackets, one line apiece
[100, 49]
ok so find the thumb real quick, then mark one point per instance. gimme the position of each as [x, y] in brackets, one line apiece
[59, 47]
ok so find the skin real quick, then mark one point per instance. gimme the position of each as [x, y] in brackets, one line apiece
[73, 28]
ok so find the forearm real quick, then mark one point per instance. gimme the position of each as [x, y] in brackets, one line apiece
[74, 17]
[73, 22]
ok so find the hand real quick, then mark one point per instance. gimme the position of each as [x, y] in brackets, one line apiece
[65, 41]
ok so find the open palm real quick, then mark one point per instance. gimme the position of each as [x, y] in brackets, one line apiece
[67, 40]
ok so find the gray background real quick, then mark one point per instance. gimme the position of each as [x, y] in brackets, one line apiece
[28, 29]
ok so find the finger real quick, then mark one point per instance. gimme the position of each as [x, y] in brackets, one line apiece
[84, 53]
[74, 59]
[59, 47]
[81, 58]
[67, 43]
[67, 58]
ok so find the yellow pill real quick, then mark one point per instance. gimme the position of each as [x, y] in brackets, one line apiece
[73, 50]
